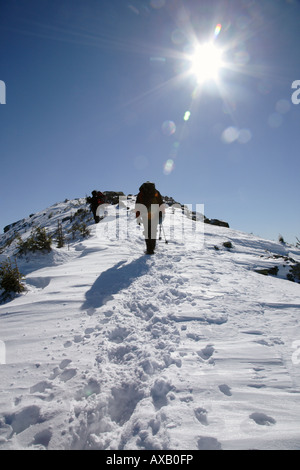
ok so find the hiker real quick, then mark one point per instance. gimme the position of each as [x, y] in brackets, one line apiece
[150, 210]
[95, 201]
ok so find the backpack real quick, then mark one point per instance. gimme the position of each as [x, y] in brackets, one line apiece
[148, 190]
[147, 196]
[100, 198]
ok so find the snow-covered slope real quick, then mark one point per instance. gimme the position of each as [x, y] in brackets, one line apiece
[187, 349]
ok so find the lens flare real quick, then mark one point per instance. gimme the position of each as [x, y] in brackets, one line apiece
[169, 128]
[233, 134]
[230, 135]
[187, 116]
[218, 29]
[169, 166]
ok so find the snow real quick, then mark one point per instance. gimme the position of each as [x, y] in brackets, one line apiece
[189, 349]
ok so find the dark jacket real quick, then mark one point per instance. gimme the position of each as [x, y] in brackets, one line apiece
[96, 200]
[149, 196]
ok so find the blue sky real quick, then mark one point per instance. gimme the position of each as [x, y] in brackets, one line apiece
[97, 95]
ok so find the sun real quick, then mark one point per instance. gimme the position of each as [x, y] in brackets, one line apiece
[206, 62]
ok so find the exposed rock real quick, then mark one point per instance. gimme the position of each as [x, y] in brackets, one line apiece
[294, 274]
[228, 245]
[219, 223]
[268, 271]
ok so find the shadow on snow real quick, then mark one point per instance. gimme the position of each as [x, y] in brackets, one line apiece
[113, 281]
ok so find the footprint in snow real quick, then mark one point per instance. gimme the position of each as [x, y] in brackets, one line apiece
[194, 336]
[262, 419]
[78, 339]
[225, 389]
[201, 415]
[123, 402]
[67, 375]
[89, 331]
[118, 335]
[40, 387]
[64, 363]
[122, 353]
[208, 443]
[256, 385]
[206, 352]
[91, 388]
[159, 391]
[43, 438]
[64, 376]
[23, 419]
[55, 373]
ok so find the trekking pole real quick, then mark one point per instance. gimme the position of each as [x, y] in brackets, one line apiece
[166, 241]
[159, 232]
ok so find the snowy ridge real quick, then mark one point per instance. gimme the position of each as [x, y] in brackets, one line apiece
[187, 349]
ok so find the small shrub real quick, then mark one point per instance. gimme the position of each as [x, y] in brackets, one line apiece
[60, 238]
[268, 271]
[228, 245]
[294, 274]
[85, 232]
[81, 213]
[38, 241]
[10, 279]
[81, 228]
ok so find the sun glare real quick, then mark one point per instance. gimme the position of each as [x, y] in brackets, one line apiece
[206, 62]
